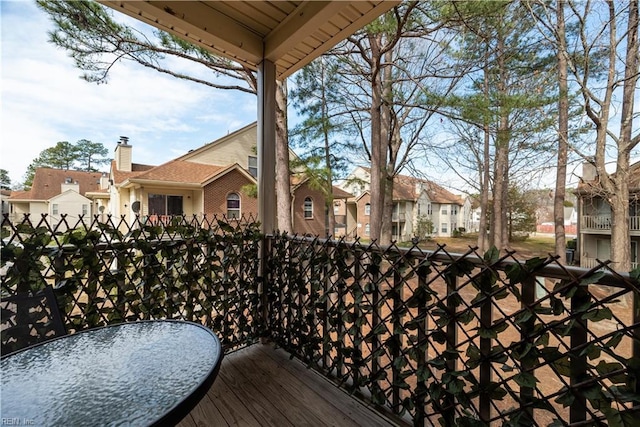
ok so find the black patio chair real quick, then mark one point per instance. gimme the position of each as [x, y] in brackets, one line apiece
[29, 318]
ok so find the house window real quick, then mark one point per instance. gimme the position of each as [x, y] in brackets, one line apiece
[444, 211]
[443, 228]
[429, 209]
[85, 209]
[233, 205]
[253, 166]
[454, 210]
[54, 209]
[161, 204]
[367, 229]
[308, 208]
[367, 209]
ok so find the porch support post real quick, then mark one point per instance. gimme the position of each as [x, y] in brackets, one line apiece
[267, 146]
[266, 172]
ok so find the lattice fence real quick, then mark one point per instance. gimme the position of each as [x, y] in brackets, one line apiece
[198, 269]
[475, 339]
[436, 338]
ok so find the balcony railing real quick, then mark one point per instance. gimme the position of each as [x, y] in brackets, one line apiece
[594, 263]
[431, 337]
[398, 217]
[197, 269]
[603, 222]
[596, 222]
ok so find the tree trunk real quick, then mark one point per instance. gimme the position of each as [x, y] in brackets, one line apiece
[499, 230]
[615, 187]
[387, 213]
[483, 238]
[386, 136]
[620, 244]
[283, 184]
[563, 136]
[331, 216]
[500, 177]
[620, 236]
[378, 152]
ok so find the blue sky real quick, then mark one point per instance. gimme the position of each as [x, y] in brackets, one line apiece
[44, 101]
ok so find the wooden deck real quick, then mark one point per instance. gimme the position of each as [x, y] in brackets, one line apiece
[261, 386]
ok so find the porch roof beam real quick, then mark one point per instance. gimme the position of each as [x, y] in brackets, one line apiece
[288, 33]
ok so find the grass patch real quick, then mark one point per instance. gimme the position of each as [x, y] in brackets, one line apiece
[533, 246]
[540, 246]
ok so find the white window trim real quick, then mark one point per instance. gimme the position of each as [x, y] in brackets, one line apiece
[239, 208]
[305, 208]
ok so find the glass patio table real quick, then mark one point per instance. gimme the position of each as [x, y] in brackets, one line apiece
[138, 373]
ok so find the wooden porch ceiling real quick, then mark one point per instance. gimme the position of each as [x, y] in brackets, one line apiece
[288, 33]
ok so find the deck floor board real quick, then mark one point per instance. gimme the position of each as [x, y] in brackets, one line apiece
[260, 386]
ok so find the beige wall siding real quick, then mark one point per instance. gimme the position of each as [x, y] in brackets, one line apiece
[71, 204]
[123, 157]
[20, 209]
[38, 208]
[340, 212]
[229, 151]
[198, 202]
[357, 182]
[362, 218]
[125, 204]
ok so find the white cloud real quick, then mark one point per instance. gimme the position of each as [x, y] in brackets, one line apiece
[44, 101]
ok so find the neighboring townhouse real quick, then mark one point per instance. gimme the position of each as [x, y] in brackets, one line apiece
[594, 218]
[418, 205]
[342, 220]
[197, 183]
[214, 179]
[58, 192]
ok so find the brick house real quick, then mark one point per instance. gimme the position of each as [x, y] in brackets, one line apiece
[309, 209]
[414, 200]
[213, 180]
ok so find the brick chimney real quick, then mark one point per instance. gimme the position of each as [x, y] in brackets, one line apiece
[123, 154]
